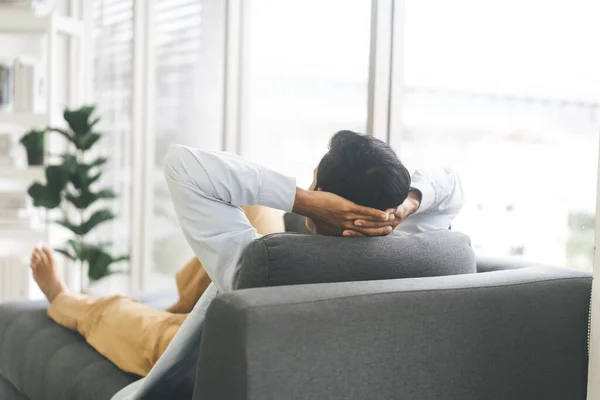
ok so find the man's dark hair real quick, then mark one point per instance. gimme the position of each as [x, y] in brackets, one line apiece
[364, 170]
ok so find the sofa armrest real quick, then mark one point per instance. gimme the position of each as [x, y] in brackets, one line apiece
[518, 334]
[489, 264]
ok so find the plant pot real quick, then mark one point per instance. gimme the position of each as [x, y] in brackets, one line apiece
[35, 156]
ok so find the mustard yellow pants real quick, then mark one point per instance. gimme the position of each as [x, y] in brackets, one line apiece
[134, 335]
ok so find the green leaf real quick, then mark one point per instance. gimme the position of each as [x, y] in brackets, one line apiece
[65, 253]
[97, 162]
[94, 178]
[85, 142]
[78, 248]
[100, 268]
[83, 251]
[70, 164]
[99, 263]
[73, 165]
[85, 199]
[78, 120]
[98, 259]
[96, 219]
[106, 194]
[49, 195]
[66, 134]
[124, 257]
[94, 122]
[81, 180]
[43, 197]
[67, 224]
[57, 176]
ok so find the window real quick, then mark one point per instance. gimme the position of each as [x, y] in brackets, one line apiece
[307, 75]
[112, 84]
[508, 93]
[188, 45]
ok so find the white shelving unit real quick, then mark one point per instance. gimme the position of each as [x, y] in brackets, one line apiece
[15, 20]
[48, 27]
[24, 119]
[15, 174]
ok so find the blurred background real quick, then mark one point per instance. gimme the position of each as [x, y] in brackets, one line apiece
[505, 91]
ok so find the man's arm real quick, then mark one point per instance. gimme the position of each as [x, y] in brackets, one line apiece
[208, 188]
[441, 199]
[434, 200]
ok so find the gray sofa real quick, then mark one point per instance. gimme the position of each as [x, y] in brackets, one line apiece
[513, 330]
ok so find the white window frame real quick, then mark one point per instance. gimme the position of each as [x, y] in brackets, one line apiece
[380, 68]
[235, 73]
[142, 139]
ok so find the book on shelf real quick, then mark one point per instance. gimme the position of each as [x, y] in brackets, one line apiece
[19, 87]
[28, 85]
[6, 90]
[6, 144]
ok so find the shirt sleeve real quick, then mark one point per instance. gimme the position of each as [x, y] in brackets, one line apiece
[207, 189]
[442, 199]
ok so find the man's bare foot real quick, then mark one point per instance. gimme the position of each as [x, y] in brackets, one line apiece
[43, 266]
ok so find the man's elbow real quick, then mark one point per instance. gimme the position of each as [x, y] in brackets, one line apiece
[174, 161]
[458, 194]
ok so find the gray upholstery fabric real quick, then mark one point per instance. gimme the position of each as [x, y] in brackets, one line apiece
[8, 391]
[40, 360]
[295, 223]
[290, 259]
[45, 361]
[489, 264]
[517, 334]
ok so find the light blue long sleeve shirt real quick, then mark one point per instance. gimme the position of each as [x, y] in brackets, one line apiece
[208, 188]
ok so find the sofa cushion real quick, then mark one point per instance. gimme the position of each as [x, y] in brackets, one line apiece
[290, 259]
[40, 360]
[43, 360]
[8, 391]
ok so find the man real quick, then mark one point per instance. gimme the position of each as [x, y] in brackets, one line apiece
[208, 189]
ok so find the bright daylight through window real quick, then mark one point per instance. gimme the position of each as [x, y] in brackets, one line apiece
[306, 82]
[508, 93]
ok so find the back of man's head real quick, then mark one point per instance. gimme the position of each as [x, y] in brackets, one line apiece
[364, 170]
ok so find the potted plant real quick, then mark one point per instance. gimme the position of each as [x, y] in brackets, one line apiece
[72, 186]
[33, 141]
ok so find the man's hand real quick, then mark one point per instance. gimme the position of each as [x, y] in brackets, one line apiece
[334, 214]
[408, 207]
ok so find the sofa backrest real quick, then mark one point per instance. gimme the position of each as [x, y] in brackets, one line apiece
[291, 259]
[515, 334]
